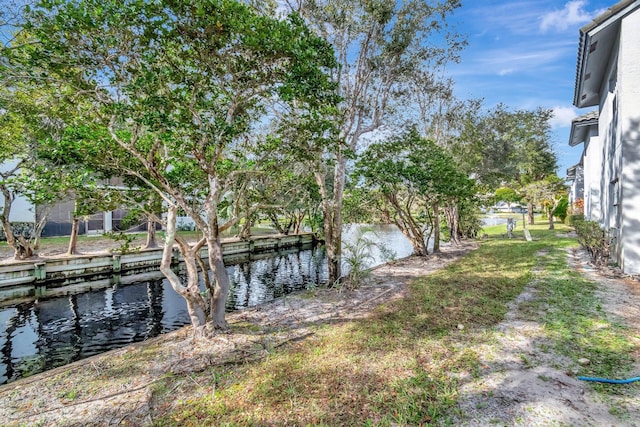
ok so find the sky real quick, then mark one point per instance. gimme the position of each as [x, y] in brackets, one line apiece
[523, 53]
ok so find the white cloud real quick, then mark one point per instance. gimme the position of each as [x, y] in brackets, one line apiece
[510, 17]
[562, 117]
[572, 14]
[516, 58]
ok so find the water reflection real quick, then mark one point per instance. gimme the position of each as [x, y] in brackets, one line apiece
[42, 335]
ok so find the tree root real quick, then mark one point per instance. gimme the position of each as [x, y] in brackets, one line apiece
[95, 399]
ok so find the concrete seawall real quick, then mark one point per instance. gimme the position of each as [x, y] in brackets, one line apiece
[26, 280]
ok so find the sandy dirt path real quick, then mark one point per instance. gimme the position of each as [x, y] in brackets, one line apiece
[520, 384]
[523, 383]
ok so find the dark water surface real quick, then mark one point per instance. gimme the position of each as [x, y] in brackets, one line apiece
[41, 335]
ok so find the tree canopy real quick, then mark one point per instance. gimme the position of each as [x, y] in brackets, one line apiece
[414, 175]
[175, 89]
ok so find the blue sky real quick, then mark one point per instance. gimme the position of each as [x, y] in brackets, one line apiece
[523, 53]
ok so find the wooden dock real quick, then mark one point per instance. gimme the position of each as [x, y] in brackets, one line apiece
[59, 276]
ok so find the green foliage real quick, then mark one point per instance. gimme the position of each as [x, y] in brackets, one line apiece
[562, 209]
[358, 258]
[548, 193]
[413, 174]
[507, 194]
[360, 205]
[594, 239]
[169, 116]
[573, 219]
[470, 222]
[506, 146]
[167, 95]
[126, 239]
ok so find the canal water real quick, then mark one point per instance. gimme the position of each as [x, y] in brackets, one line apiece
[41, 335]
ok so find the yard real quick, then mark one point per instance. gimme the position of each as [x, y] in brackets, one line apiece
[493, 332]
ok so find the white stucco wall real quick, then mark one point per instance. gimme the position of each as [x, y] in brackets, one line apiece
[629, 124]
[592, 172]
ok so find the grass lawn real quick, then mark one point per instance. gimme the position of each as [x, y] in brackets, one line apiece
[402, 366]
[60, 244]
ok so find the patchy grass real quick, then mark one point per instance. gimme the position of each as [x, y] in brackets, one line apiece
[401, 366]
[577, 325]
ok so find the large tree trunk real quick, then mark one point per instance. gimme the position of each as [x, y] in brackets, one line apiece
[6, 223]
[190, 292]
[221, 277]
[550, 215]
[21, 247]
[152, 241]
[451, 215]
[436, 227]
[73, 238]
[332, 213]
[530, 212]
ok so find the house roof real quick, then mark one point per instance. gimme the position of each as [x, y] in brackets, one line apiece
[594, 50]
[580, 126]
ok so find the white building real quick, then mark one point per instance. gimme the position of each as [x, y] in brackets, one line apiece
[608, 78]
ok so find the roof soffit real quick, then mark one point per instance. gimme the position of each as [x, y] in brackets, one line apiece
[597, 40]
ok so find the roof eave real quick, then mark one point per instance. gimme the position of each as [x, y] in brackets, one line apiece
[612, 16]
[574, 138]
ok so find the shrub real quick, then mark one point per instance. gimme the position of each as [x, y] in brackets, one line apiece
[561, 209]
[573, 219]
[577, 207]
[594, 239]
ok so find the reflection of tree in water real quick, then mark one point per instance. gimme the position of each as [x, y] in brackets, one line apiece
[16, 320]
[316, 266]
[245, 269]
[239, 275]
[23, 316]
[263, 283]
[269, 278]
[155, 313]
[59, 329]
[76, 335]
[69, 328]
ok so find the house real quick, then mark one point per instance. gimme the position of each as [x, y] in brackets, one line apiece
[575, 177]
[608, 80]
[583, 130]
[59, 215]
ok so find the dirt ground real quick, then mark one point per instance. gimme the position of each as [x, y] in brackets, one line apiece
[509, 391]
[91, 245]
[524, 385]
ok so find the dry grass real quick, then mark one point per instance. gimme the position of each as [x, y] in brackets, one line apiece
[341, 363]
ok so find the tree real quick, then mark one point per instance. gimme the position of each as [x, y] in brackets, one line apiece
[503, 146]
[548, 193]
[177, 85]
[379, 48]
[416, 177]
[29, 115]
[13, 156]
[507, 195]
